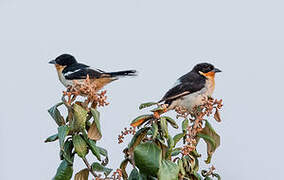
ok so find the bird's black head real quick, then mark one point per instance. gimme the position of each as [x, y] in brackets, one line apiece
[205, 68]
[64, 60]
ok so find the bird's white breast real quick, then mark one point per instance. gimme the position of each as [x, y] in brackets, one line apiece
[194, 99]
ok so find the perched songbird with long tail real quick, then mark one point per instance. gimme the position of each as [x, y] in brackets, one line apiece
[191, 89]
[68, 70]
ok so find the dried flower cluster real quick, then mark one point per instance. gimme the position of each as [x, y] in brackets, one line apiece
[126, 131]
[89, 90]
[197, 119]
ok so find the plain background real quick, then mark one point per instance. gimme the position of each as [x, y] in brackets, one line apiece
[162, 39]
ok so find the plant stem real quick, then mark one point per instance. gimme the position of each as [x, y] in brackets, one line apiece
[89, 167]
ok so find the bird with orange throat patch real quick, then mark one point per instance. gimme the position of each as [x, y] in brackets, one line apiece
[193, 88]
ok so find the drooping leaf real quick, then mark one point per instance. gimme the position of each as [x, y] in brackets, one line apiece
[181, 168]
[94, 149]
[82, 175]
[123, 166]
[64, 171]
[94, 131]
[66, 153]
[154, 129]
[144, 105]
[92, 145]
[80, 116]
[170, 142]
[141, 119]
[211, 138]
[137, 138]
[168, 170]
[55, 114]
[164, 126]
[80, 145]
[62, 133]
[100, 168]
[172, 122]
[147, 157]
[103, 151]
[184, 124]
[178, 137]
[51, 138]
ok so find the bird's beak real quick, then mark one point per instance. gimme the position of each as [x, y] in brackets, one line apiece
[52, 62]
[216, 70]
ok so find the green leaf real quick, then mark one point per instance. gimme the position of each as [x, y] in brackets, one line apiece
[144, 105]
[158, 109]
[94, 149]
[82, 175]
[184, 124]
[196, 176]
[137, 138]
[164, 126]
[79, 119]
[176, 151]
[80, 145]
[211, 138]
[64, 171]
[100, 168]
[181, 168]
[123, 168]
[154, 129]
[67, 152]
[172, 122]
[207, 178]
[92, 145]
[134, 175]
[141, 119]
[170, 142]
[94, 131]
[147, 157]
[168, 170]
[178, 137]
[55, 114]
[62, 133]
[51, 138]
[103, 151]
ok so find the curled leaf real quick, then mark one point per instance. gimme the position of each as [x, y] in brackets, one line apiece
[172, 122]
[144, 105]
[164, 126]
[94, 131]
[55, 114]
[100, 168]
[154, 129]
[137, 138]
[211, 138]
[217, 115]
[141, 119]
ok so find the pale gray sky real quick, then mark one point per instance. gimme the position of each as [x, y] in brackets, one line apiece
[162, 39]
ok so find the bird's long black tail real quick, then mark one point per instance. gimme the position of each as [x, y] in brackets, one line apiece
[123, 73]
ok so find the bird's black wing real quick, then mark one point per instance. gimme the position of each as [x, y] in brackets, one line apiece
[189, 83]
[80, 71]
